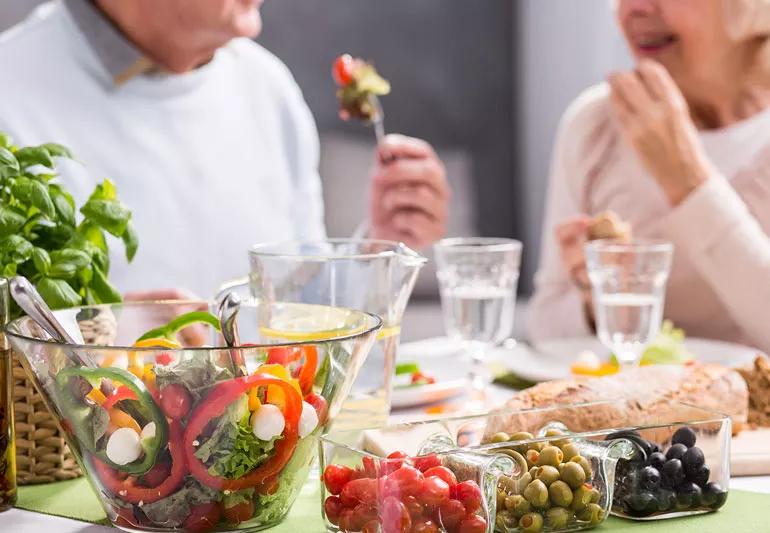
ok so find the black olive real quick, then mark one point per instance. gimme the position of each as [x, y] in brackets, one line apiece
[684, 436]
[676, 451]
[700, 477]
[692, 460]
[714, 496]
[656, 460]
[623, 434]
[639, 504]
[666, 499]
[693, 491]
[649, 478]
[673, 473]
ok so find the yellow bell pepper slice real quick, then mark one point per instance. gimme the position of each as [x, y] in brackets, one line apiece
[254, 403]
[121, 419]
[96, 396]
[276, 395]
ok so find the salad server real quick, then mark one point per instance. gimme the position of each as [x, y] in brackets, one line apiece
[228, 313]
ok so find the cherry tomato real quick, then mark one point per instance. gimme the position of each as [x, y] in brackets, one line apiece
[363, 514]
[332, 509]
[472, 524]
[359, 491]
[450, 513]
[346, 520]
[406, 481]
[444, 473]
[157, 474]
[202, 517]
[426, 462]
[394, 517]
[370, 467]
[175, 400]
[163, 359]
[320, 405]
[337, 476]
[240, 512]
[469, 493]
[434, 491]
[427, 526]
[342, 71]
[373, 526]
[394, 461]
[414, 507]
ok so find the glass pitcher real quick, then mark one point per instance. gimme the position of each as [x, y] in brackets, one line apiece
[370, 275]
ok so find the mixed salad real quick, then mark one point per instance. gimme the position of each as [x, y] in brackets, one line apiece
[180, 442]
[359, 86]
[409, 374]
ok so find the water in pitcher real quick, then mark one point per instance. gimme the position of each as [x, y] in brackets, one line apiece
[478, 313]
[628, 321]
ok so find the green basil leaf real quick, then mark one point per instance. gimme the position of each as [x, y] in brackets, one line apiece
[10, 220]
[78, 258]
[15, 249]
[104, 291]
[65, 270]
[57, 293]
[9, 166]
[34, 193]
[91, 232]
[131, 240]
[9, 270]
[85, 275]
[5, 140]
[111, 215]
[34, 155]
[104, 191]
[57, 150]
[42, 260]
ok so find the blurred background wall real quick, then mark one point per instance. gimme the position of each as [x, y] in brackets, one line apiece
[485, 82]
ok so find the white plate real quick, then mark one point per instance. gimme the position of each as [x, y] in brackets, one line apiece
[436, 357]
[551, 359]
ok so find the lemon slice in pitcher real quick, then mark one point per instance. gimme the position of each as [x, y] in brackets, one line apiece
[312, 323]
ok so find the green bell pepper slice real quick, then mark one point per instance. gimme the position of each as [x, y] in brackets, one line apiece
[88, 421]
[173, 327]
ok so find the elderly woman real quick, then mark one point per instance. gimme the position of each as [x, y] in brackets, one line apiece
[680, 148]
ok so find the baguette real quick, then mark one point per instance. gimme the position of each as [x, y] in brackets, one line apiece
[608, 225]
[648, 390]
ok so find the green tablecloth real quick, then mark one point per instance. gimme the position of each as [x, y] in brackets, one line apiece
[744, 512]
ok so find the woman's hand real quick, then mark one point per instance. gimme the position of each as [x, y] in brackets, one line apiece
[656, 121]
[572, 236]
[409, 195]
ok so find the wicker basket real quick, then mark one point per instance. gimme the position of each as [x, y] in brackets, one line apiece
[42, 454]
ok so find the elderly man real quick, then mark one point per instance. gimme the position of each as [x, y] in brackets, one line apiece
[205, 133]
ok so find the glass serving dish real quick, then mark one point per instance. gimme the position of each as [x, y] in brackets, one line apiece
[487, 485]
[168, 437]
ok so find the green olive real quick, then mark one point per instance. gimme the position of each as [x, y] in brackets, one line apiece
[554, 432]
[573, 474]
[518, 505]
[547, 474]
[533, 456]
[499, 437]
[585, 463]
[521, 435]
[507, 485]
[550, 455]
[500, 521]
[505, 520]
[557, 518]
[560, 494]
[570, 450]
[537, 494]
[592, 513]
[595, 495]
[522, 482]
[531, 523]
[581, 497]
[533, 471]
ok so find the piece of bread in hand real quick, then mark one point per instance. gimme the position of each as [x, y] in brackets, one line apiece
[608, 225]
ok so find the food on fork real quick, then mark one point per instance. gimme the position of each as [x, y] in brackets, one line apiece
[359, 86]
[608, 225]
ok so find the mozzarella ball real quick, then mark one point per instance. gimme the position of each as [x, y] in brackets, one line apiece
[124, 446]
[148, 432]
[267, 422]
[308, 420]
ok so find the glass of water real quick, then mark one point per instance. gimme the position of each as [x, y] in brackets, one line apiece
[477, 279]
[628, 281]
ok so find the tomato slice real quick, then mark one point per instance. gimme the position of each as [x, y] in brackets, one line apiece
[217, 400]
[286, 355]
[342, 70]
[121, 393]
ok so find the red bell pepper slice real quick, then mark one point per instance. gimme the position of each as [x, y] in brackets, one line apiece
[286, 355]
[122, 393]
[129, 490]
[217, 400]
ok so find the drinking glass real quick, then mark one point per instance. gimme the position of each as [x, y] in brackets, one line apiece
[628, 281]
[477, 280]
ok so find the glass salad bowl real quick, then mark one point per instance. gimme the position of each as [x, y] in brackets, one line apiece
[176, 431]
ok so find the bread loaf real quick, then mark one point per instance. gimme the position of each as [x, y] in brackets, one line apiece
[648, 392]
[758, 380]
